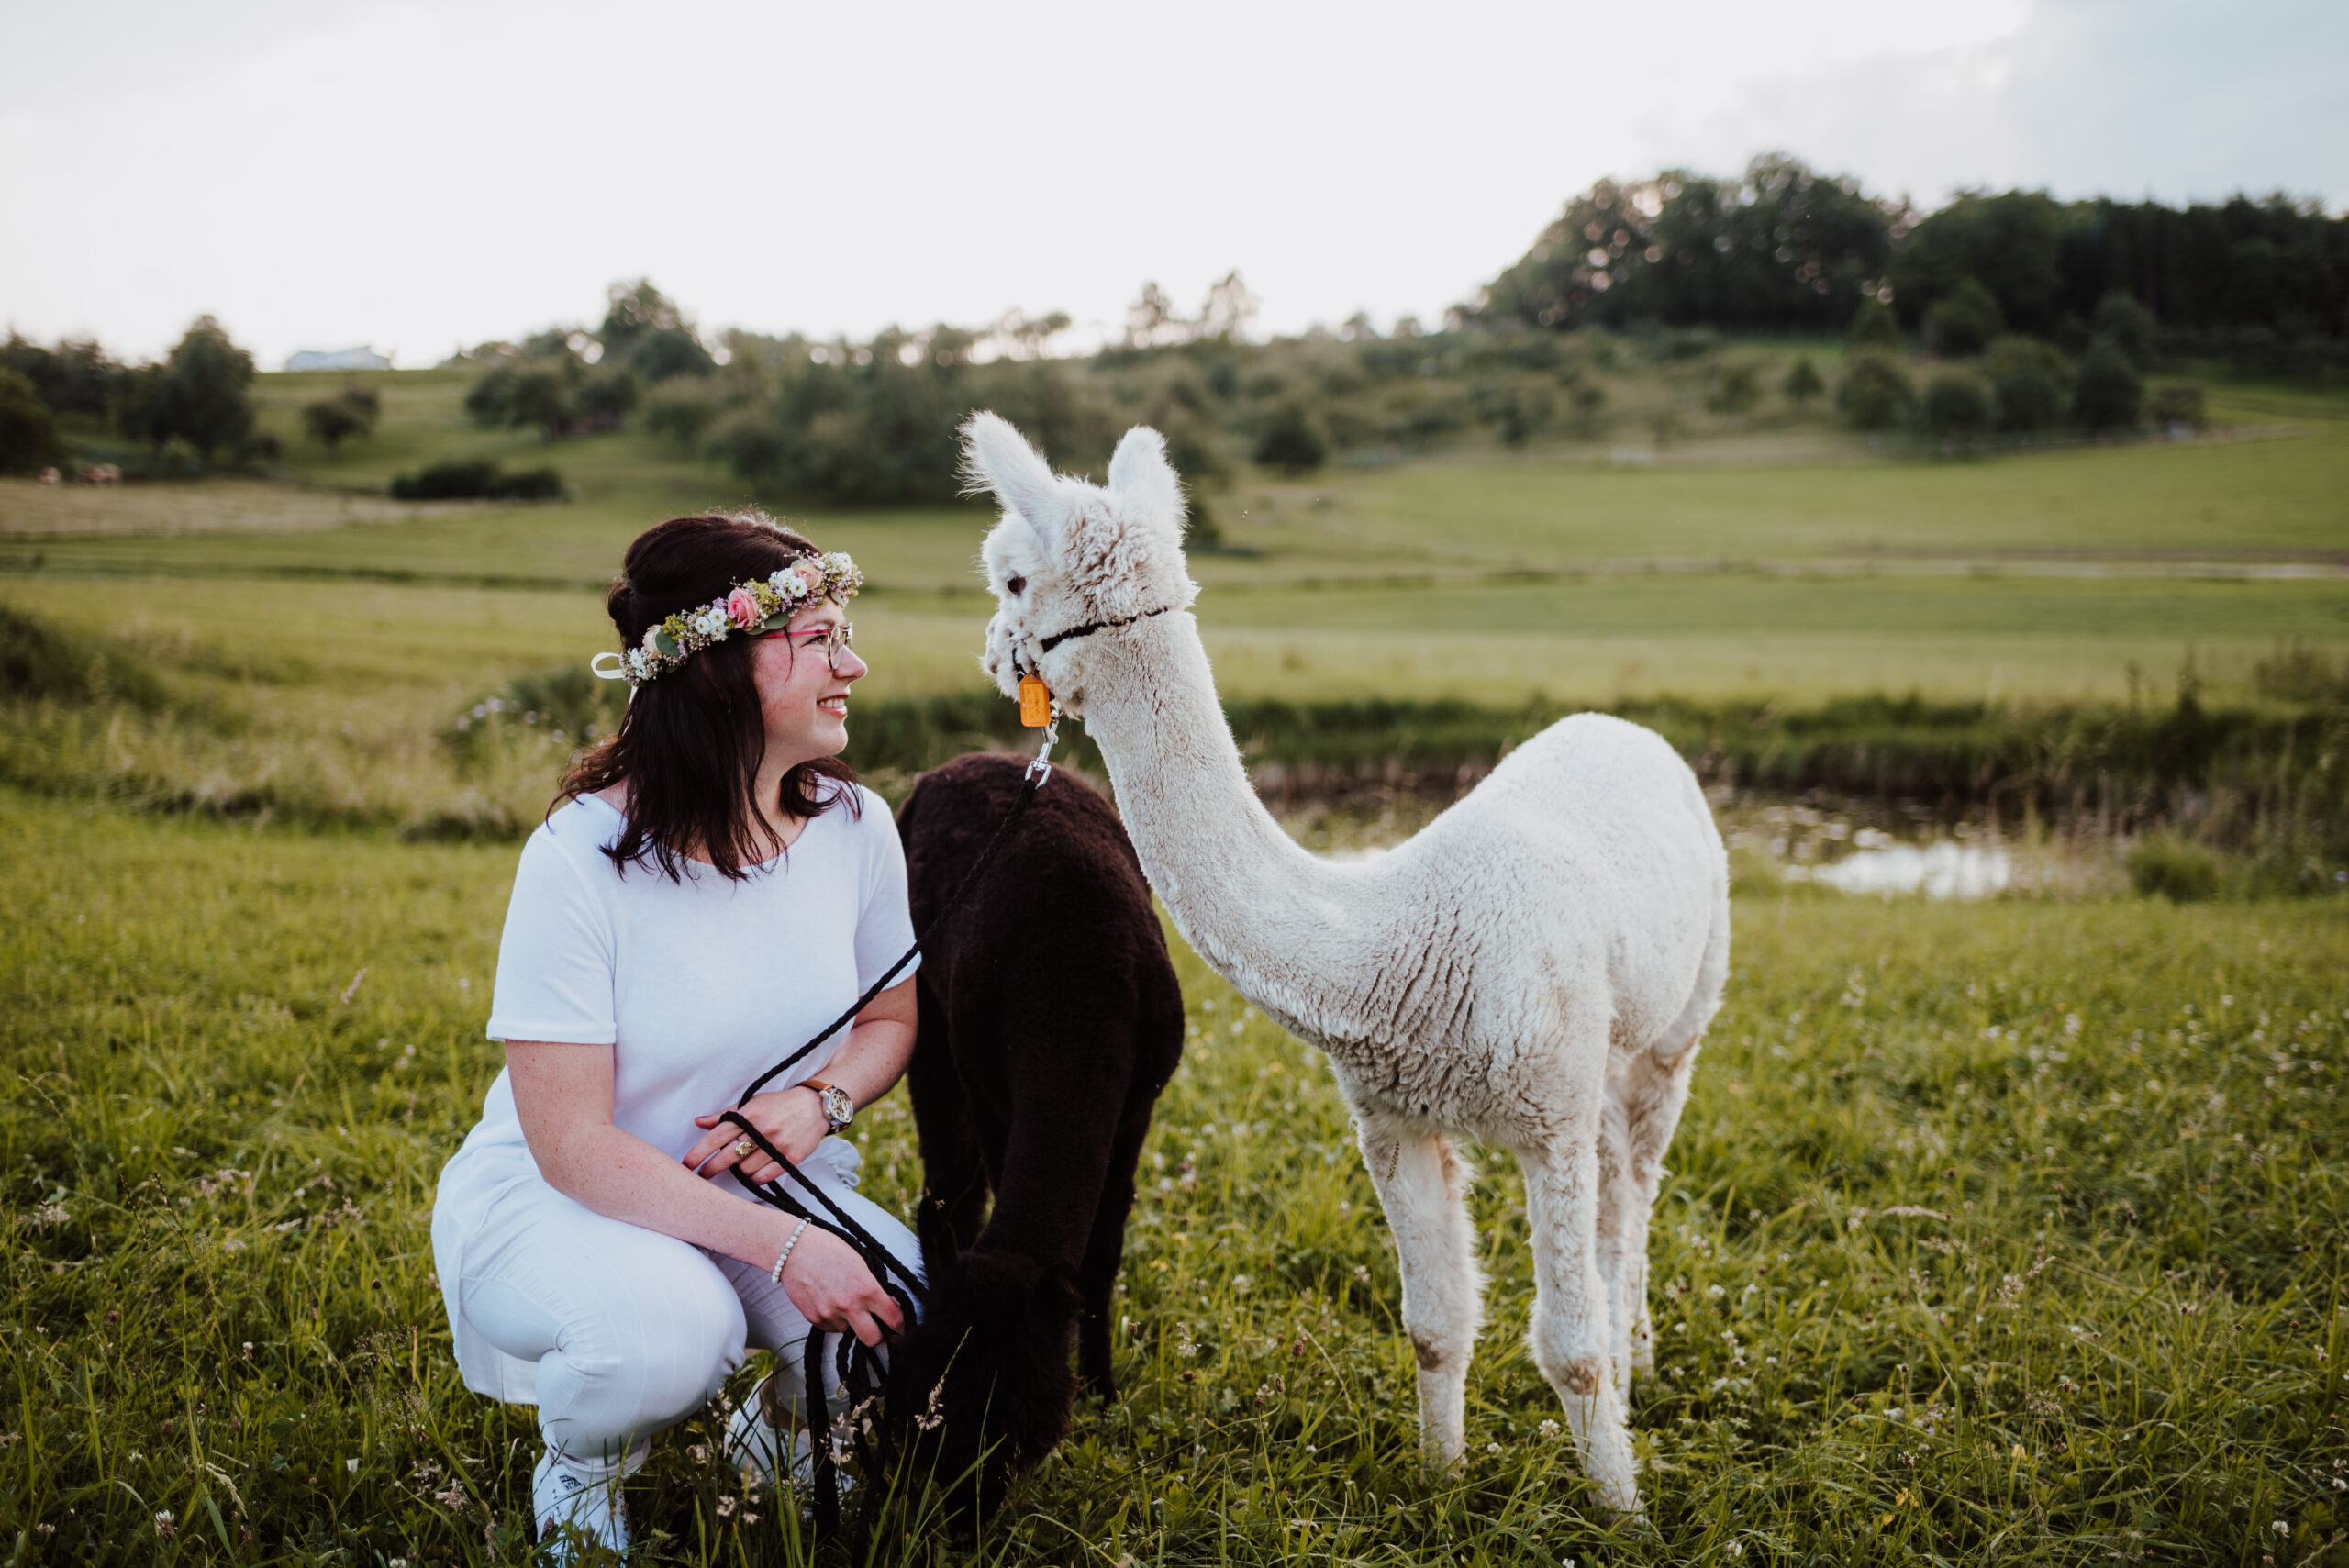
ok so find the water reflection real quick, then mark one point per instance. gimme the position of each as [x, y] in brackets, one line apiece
[1938, 871]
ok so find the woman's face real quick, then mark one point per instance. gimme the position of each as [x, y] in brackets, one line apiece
[803, 703]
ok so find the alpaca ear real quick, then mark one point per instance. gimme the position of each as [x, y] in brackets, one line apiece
[1139, 467]
[998, 458]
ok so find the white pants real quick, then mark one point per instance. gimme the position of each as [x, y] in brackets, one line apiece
[629, 1331]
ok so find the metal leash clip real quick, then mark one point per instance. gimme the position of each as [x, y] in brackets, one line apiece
[1039, 766]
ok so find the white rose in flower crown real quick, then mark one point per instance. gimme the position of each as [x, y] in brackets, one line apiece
[653, 637]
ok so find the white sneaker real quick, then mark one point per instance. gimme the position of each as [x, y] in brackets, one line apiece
[762, 1451]
[571, 1507]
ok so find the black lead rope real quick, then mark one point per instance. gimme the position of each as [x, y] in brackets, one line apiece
[857, 1366]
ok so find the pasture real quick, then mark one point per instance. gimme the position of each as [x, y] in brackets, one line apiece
[1995, 1232]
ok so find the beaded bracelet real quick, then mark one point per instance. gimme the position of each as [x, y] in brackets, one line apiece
[775, 1274]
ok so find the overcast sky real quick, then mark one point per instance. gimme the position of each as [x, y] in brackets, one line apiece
[418, 174]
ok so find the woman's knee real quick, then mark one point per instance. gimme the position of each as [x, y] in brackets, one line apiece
[691, 1343]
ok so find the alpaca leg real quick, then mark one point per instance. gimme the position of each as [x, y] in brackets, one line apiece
[1573, 1333]
[1621, 1244]
[1424, 1186]
[1649, 1097]
[1098, 1274]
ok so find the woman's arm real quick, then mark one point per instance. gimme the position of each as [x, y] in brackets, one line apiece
[563, 1096]
[867, 1065]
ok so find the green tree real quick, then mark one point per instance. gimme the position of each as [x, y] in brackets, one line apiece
[1876, 393]
[2128, 324]
[1956, 405]
[2010, 242]
[75, 377]
[1963, 321]
[2028, 381]
[28, 430]
[1738, 392]
[200, 396]
[2178, 407]
[1291, 440]
[680, 415]
[1874, 325]
[2107, 395]
[1802, 383]
[333, 420]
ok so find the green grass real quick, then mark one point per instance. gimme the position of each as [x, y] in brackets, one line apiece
[2126, 1335]
[1995, 1232]
[1787, 560]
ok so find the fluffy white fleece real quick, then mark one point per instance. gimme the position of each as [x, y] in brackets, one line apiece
[1535, 969]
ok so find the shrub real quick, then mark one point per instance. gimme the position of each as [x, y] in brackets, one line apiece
[39, 660]
[28, 430]
[2027, 378]
[1876, 393]
[1737, 392]
[2177, 407]
[333, 420]
[1802, 383]
[1957, 404]
[478, 479]
[1875, 326]
[680, 414]
[2164, 866]
[2120, 317]
[528, 484]
[1291, 441]
[1963, 321]
[2298, 673]
[2108, 394]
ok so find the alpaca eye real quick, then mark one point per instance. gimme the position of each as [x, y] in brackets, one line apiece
[1013, 584]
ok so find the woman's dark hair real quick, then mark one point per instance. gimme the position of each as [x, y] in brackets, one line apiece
[691, 742]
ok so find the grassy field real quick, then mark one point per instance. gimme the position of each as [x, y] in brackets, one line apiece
[1788, 562]
[1995, 1233]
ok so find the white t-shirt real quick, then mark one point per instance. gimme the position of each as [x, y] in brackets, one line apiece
[700, 985]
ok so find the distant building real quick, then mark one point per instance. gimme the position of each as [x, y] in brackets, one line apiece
[360, 359]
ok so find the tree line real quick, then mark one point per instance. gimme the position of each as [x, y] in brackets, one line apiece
[1782, 247]
[2030, 315]
[197, 399]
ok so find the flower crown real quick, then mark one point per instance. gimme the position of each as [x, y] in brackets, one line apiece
[760, 604]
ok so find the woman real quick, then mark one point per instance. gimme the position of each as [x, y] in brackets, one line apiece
[711, 890]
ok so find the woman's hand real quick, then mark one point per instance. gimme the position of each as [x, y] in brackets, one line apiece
[792, 1119]
[833, 1289]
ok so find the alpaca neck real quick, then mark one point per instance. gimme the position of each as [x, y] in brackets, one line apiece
[1277, 921]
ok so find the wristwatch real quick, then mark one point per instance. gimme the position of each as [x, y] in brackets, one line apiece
[839, 1110]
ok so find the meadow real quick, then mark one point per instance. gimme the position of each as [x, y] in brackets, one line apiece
[1995, 1232]
[2008, 1230]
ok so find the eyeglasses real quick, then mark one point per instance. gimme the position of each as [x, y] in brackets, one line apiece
[834, 641]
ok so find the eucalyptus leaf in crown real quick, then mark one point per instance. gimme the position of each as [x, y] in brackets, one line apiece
[761, 604]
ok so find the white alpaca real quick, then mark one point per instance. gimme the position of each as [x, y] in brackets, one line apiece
[1535, 969]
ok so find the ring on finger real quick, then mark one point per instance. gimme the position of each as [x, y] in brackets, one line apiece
[743, 1147]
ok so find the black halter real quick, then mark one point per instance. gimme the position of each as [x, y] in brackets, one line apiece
[1089, 627]
[857, 1366]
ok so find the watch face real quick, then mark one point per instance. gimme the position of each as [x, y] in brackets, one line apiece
[839, 1106]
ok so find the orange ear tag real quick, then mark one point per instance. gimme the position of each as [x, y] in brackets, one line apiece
[1035, 702]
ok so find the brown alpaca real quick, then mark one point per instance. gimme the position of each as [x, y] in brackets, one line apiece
[1050, 1019]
